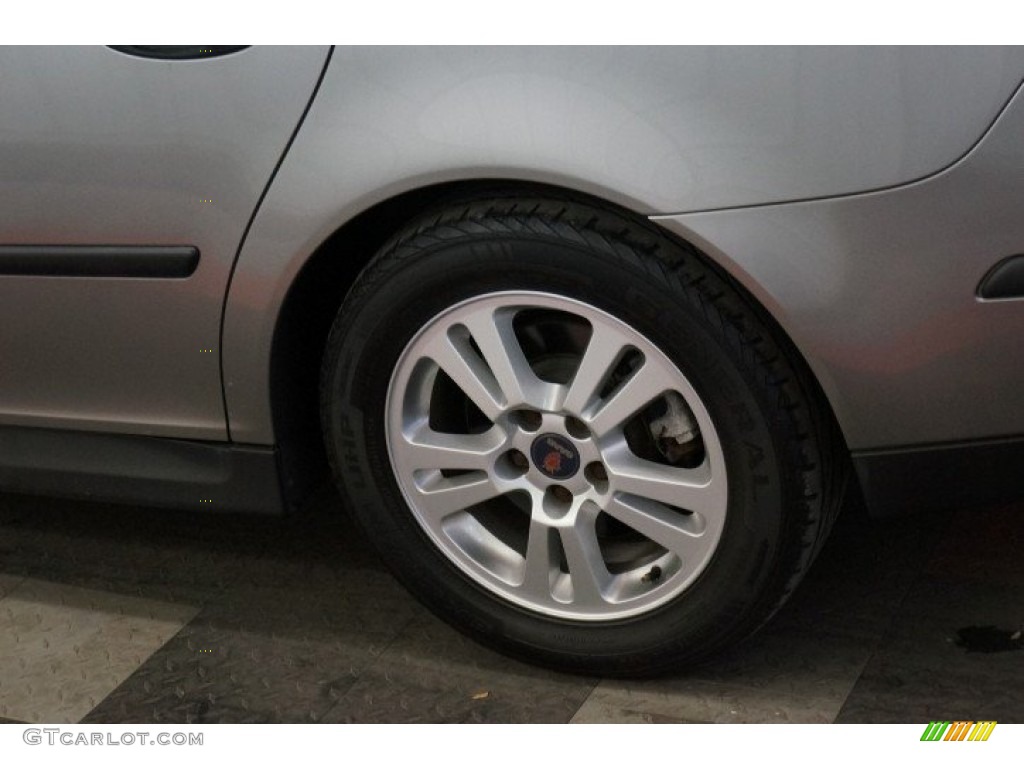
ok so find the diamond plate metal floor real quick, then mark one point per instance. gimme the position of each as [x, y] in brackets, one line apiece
[116, 614]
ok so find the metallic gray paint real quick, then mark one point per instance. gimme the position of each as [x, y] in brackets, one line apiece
[876, 289]
[100, 148]
[656, 130]
[878, 292]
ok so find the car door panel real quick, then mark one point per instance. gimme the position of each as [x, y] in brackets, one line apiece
[102, 149]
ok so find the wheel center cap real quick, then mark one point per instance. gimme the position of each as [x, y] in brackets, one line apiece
[555, 456]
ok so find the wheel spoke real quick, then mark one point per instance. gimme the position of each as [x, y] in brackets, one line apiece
[448, 495]
[691, 489]
[428, 449]
[603, 351]
[674, 531]
[457, 359]
[539, 563]
[495, 336]
[648, 382]
[587, 568]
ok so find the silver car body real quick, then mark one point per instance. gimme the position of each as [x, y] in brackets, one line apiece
[859, 194]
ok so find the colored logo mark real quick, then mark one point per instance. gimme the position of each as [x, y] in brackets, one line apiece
[959, 730]
[555, 456]
[553, 463]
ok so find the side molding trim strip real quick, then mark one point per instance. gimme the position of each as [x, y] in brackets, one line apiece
[154, 261]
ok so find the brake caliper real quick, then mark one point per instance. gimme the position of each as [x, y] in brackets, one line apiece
[676, 432]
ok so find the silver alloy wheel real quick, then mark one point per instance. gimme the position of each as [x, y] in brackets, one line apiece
[539, 492]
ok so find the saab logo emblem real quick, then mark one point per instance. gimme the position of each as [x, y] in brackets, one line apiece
[553, 463]
[959, 730]
[555, 456]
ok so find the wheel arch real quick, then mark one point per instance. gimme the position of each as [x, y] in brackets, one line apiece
[316, 292]
[325, 277]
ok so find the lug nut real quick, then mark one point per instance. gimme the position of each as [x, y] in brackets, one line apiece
[518, 460]
[597, 475]
[561, 495]
[576, 428]
[527, 420]
[557, 500]
[512, 464]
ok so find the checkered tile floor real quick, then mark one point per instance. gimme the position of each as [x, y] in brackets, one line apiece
[114, 614]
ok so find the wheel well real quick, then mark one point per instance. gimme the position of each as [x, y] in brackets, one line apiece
[318, 291]
[312, 302]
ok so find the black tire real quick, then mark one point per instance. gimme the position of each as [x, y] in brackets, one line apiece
[786, 467]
